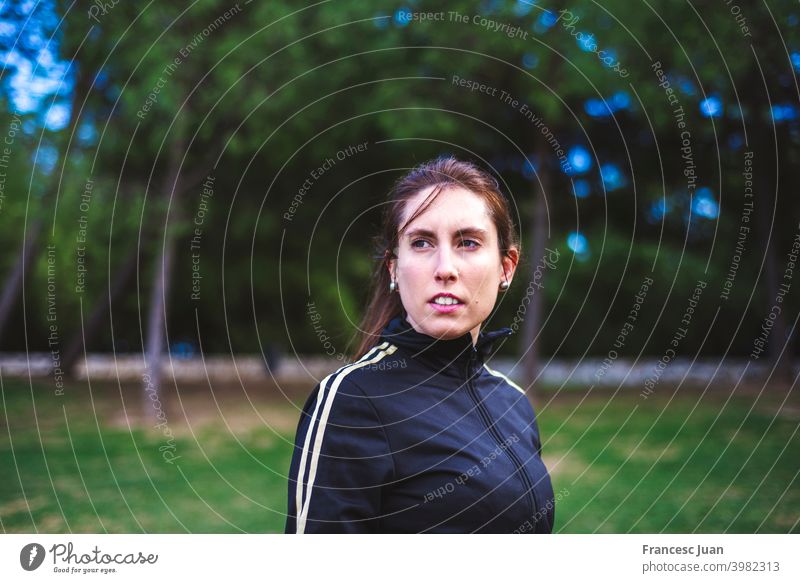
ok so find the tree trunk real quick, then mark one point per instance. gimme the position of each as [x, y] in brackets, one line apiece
[14, 281]
[159, 294]
[769, 223]
[538, 238]
[30, 248]
[770, 230]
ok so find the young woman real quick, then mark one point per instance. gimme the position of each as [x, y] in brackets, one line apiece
[419, 434]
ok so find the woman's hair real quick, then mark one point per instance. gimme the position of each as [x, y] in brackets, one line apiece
[443, 172]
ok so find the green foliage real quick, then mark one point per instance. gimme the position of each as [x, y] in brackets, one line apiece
[262, 97]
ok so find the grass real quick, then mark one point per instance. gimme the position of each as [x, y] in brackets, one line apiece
[66, 469]
[676, 462]
[718, 462]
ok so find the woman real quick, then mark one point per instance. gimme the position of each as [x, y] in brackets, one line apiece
[419, 434]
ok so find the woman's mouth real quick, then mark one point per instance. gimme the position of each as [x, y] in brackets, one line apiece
[444, 304]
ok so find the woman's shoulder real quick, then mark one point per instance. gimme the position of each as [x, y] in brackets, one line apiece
[506, 393]
[348, 393]
[363, 372]
[499, 378]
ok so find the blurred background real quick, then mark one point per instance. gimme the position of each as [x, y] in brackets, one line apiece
[188, 195]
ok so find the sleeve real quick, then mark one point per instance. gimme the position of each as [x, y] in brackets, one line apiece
[534, 428]
[340, 463]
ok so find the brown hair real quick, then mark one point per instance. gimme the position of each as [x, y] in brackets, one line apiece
[442, 173]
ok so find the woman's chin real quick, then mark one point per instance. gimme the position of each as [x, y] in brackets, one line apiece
[443, 328]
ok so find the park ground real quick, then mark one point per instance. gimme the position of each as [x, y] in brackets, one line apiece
[685, 459]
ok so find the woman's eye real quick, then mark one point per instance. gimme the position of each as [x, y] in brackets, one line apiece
[419, 243]
[469, 243]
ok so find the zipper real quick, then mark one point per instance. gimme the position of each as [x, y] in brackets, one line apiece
[531, 494]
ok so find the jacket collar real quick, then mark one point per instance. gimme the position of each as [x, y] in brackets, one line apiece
[442, 355]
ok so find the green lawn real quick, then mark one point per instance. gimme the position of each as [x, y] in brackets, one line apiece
[721, 463]
[711, 463]
[81, 478]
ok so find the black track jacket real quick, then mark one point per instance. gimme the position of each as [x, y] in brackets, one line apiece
[419, 435]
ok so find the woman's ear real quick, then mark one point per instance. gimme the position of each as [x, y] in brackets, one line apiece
[391, 262]
[509, 263]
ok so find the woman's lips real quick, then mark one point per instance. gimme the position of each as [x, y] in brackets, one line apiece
[442, 309]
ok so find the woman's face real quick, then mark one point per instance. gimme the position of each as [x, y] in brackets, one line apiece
[450, 250]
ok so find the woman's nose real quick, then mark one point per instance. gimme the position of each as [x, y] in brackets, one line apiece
[445, 268]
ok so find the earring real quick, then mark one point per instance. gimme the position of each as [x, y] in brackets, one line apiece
[392, 286]
[504, 285]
